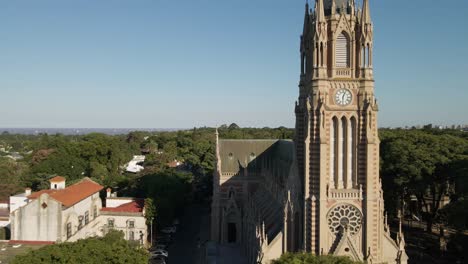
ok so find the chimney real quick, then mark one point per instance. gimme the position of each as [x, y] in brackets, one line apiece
[27, 191]
[57, 183]
[109, 191]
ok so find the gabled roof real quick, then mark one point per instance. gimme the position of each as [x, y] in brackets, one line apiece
[73, 193]
[135, 206]
[57, 179]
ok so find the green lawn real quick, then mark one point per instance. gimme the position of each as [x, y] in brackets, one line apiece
[9, 253]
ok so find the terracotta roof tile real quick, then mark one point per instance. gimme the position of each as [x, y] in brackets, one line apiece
[57, 179]
[72, 194]
[133, 207]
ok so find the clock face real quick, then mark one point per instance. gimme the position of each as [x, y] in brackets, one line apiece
[343, 97]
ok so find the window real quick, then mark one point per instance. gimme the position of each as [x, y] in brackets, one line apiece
[80, 222]
[131, 235]
[95, 212]
[86, 218]
[69, 230]
[110, 223]
[342, 51]
[131, 224]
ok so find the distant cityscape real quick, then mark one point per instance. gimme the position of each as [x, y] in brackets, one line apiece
[122, 131]
[81, 131]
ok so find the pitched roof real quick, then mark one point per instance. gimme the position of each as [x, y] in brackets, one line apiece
[73, 193]
[57, 179]
[135, 206]
[277, 155]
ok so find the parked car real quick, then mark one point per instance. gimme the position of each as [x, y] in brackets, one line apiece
[157, 260]
[159, 252]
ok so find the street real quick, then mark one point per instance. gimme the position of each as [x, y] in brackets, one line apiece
[192, 233]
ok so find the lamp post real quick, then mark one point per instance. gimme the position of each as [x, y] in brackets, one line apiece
[151, 231]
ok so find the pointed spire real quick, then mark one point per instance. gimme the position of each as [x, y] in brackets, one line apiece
[333, 7]
[319, 11]
[366, 18]
[218, 156]
[352, 6]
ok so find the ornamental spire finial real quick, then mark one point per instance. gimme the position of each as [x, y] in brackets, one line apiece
[366, 17]
[319, 11]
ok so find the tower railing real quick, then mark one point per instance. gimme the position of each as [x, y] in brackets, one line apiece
[346, 194]
[343, 72]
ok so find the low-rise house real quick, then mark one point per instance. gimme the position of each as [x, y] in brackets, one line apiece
[125, 214]
[71, 213]
[174, 164]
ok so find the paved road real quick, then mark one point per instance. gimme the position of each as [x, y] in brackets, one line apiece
[192, 232]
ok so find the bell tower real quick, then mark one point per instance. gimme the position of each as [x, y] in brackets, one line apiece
[337, 143]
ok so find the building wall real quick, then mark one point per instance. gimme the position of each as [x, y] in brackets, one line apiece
[72, 215]
[122, 223]
[39, 220]
[17, 201]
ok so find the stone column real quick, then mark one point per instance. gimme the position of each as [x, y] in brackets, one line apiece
[332, 153]
[349, 164]
[340, 153]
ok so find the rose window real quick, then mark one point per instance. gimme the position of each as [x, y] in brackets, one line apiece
[344, 216]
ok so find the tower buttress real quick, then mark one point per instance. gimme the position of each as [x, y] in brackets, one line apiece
[320, 41]
[366, 42]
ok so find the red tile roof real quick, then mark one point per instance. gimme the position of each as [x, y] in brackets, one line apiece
[135, 206]
[57, 179]
[73, 193]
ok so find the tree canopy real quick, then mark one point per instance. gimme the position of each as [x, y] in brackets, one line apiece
[112, 248]
[425, 164]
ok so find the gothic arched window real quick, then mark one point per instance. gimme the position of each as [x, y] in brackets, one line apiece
[342, 51]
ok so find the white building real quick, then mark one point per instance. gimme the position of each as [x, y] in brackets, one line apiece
[70, 213]
[133, 165]
[125, 214]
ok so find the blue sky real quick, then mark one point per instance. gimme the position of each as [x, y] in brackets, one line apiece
[186, 63]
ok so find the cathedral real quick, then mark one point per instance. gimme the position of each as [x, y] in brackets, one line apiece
[320, 193]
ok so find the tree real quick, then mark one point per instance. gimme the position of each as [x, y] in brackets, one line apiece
[421, 164]
[111, 248]
[233, 126]
[169, 191]
[150, 214]
[306, 258]
[150, 211]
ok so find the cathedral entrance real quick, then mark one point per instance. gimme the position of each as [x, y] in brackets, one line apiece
[232, 233]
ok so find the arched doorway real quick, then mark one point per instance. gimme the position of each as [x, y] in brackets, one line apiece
[232, 233]
[232, 228]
